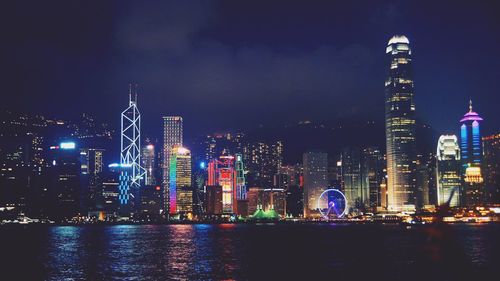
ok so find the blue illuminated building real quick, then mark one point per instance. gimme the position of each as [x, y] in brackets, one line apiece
[124, 182]
[470, 139]
[471, 156]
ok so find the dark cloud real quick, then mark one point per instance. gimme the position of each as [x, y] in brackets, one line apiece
[232, 64]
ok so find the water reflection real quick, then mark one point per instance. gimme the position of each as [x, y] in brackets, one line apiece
[225, 252]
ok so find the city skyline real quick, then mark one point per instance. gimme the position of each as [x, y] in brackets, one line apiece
[249, 140]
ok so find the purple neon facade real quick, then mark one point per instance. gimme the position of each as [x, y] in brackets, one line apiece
[470, 138]
[471, 157]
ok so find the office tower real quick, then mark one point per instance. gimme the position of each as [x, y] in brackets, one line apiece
[241, 191]
[448, 171]
[172, 136]
[222, 172]
[372, 169]
[213, 200]
[290, 179]
[152, 199]
[295, 201]
[315, 180]
[274, 199]
[148, 163]
[64, 184]
[355, 180]
[255, 199]
[222, 144]
[426, 180]
[91, 160]
[400, 126]
[471, 153]
[491, 164]
[180, 191]
[294, 174]
[281, 181]
[130, 152]
[262, 161]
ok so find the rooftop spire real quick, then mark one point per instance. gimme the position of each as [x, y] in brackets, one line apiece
[129, 92]
[135, 93]
[470, 105]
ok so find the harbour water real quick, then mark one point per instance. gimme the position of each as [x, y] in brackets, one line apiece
[249, 252]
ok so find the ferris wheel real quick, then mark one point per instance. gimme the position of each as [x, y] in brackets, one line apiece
[332, 203]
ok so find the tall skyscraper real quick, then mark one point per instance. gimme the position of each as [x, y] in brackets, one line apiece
[148, 163]
[491, 166]
[373, 170]
[448, 170]
[180, 190]
[172, 136]
[223, 173]
[400, 126]
[241, 190]
[64, 181]
[315, 180]
[263, 161]
[471, 153]
[91, 160]
[355, 182]
[131, 144]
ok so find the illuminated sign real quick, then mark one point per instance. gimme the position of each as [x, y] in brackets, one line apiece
[67, 145]
[116, 165]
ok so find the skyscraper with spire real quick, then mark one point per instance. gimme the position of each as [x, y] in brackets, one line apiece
[471, 153]
[400, 126]
[130, 149]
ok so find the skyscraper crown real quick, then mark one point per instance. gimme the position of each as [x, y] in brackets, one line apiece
[471, 115]
[398, 39]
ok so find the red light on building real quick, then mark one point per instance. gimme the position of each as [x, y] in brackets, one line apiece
[158, 188]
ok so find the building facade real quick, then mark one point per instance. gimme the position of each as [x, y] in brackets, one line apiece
[491, 164]
[180, 189]
[448, 171]
[471, 153]
[400, 126]
[172, 136]
[315, 180]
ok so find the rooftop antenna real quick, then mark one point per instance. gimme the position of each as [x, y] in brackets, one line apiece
[129, 93]
[136, 93]
[470, 105]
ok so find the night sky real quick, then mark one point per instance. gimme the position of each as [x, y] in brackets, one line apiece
[237, 64]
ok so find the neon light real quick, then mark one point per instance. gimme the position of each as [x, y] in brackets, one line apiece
[67, 145]
[130, 142]
[203, 165]
[331, 204]
[173, 184]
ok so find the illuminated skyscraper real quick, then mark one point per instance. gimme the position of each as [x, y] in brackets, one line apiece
[222, 173]
[373, 167]
[448, 170]
[400, 126]
[491, 166]
[64, 187]
[172, 135]
[241, 190]
[130, 146]
[355, 182]
[180, 190]
[91, 161]
[471, 153]
[148, 163]
[315, 179]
